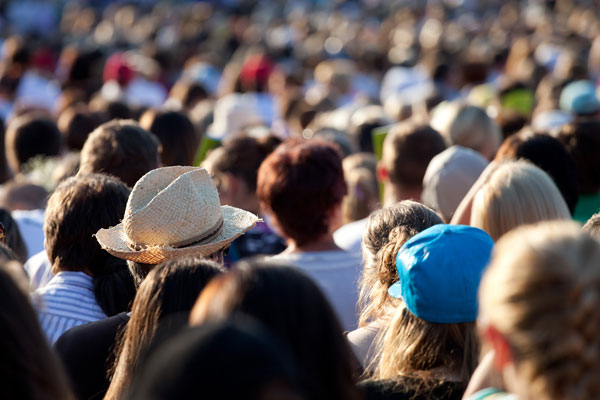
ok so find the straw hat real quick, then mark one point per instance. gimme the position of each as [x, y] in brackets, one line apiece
[174, 212]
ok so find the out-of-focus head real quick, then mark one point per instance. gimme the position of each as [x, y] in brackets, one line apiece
[76, 210]
[360, 172]
[22, 195]
[302, 185]
[202, 361]
[550, 155]
[473, 128]
[120, 148]
[29, 136]
[539, 307]
[176, 134]
[75, 124]
[582, 141]
[449, 177]
[517, 193]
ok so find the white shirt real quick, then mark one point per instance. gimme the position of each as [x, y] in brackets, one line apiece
[66, 301]
[349, 236]
[31, 225]
[336, 273]
[39, 270]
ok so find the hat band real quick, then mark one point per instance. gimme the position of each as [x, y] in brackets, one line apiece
[207, 236]
[211, 234]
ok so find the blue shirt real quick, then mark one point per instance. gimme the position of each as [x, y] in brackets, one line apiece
[66, 301]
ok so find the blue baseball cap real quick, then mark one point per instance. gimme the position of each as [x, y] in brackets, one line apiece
[440, 269]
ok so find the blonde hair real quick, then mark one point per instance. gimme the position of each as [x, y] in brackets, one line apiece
[542, 292]
[517, 193]
[363, 192]
[387, 230]
[473, 128]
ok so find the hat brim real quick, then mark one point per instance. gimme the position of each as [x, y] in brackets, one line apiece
[235, 223]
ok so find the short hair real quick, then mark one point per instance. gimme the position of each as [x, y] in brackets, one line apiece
[407, 150]
[29, 136]
[549, 154]
[22, 195]
[541, 293]
[188, 92]
[176, 133]
[517, 193]
[120, 148]
[77, 209]
[582, 140]
[300, 183]
[473, 128]
[75, 124]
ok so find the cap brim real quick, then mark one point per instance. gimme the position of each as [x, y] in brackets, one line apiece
[235, 223]
[396, 290]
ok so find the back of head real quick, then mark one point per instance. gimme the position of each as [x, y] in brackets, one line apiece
[517, 193]
[29, 136]
[541, 292]
[592, 226]
[29, 369]
[300, 316]
[75, 124]
[228, 360]
[583, 143]
[387, 230]
[22, 195]
[176, 134]
[550, 155]
[300, 183]
[473, 128]
[12, 235]
[120, 148]
[407, 150]
[360, 172]
[77, 209]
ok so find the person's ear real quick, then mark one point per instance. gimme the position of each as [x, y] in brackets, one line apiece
[382, 173]
[503, 352]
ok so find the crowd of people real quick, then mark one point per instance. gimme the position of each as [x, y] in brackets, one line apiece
[315, 199]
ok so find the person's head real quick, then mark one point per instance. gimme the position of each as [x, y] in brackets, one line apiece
[234, 167]
[539, 308]
[120, 148]
[387, 230]
[592, 226]
[360, 172]
[473, 128]
[173, 212]
[550, 155]
[76, 210]
[517, 193]
[188, 93]
[29, 136]
[407, 150]
[12, 235]
[176, 134]
[75, 124]
[432, 334]
[30, 370]
[22, 195]
[204, 361]
[291, 305]
[301, 185]
[582, 141]
[449, 177]
[169, 290]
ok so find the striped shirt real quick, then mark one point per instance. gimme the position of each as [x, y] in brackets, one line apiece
[66, 301]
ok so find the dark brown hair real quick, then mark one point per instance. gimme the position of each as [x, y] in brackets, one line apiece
[582, 141]
[29, 136]
[75, 124]
[176, 133]
[120, 148]
[407, 150]
[291, 305]
[77, 209]
[300, 183]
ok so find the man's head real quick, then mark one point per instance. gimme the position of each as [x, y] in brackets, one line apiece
[407, 150]
[76, 210]
[120, 148]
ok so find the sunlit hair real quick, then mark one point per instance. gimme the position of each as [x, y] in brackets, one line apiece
[473, 128]
[542, 292]
[592, 226]
[170, 288]
[387, 230]
[517, 193]
[412, 347]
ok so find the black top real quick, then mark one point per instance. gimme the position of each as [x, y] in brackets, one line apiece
[87, 352]
[412, 389]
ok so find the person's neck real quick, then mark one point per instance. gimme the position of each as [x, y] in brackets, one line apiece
[395, 193]
[326, 243]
